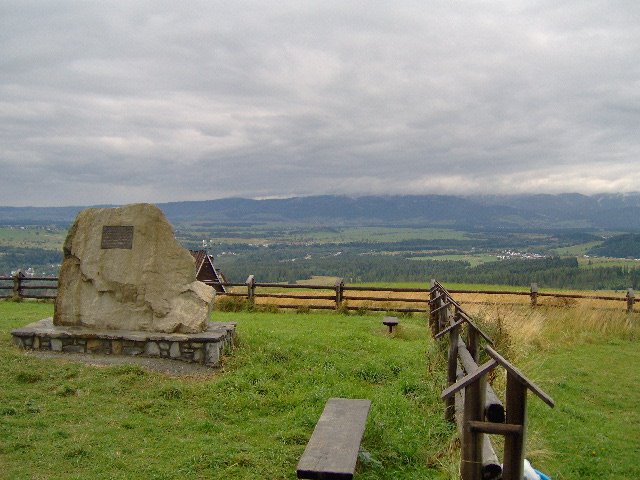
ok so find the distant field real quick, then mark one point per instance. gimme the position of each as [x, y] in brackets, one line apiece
[260, 235]
[32, 237]
[600, 262]
[474, 260]
[576, 250]
[384, 234]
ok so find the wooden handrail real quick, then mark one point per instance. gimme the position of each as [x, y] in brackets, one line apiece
[473, 403]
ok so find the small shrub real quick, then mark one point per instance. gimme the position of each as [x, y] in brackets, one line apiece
[231, 304]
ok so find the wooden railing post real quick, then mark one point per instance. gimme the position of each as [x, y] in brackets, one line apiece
[472, 441]
[339, 287]
[534, 294]
[433, 321]
[630, 300]
[472, 342]
[443, 314]
[513, 461]
[17, 284]
[452, 370]
[251, 289]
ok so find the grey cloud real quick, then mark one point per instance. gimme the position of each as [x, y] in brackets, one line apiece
[149, 101]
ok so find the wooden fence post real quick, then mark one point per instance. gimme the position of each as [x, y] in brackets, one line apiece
[452, 371]
[443, 315]
[516, 404]
[432, 307]
[17, 285]
[251, 289]
[630, 300]
[534, 294]
[472, 342]
[339, 287]
[472, 442]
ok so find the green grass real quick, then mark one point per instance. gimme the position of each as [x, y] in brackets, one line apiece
[61, 419]
[586, 359]
[594, 432]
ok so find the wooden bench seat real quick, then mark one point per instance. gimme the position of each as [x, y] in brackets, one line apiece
[332, 450]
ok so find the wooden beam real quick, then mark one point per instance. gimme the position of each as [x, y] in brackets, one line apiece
[495, 428]
[469, 378]
[520, 376]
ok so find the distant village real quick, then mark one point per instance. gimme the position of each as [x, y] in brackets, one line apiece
[512, 254]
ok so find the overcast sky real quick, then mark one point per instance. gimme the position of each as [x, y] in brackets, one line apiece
[118, 102]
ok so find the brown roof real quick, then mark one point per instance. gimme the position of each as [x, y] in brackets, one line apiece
[199, 256]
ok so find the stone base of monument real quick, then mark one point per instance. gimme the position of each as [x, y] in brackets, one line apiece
[205, 348]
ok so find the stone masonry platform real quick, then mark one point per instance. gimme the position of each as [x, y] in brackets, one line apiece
[205, 348]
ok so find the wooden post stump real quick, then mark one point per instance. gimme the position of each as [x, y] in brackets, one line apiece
[339, 287]
[251, 289]
[534, 294]
[17, 285]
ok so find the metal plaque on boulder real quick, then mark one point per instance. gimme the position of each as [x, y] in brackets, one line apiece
[117, 237]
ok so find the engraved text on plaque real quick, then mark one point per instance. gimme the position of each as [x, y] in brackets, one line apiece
[117, 237]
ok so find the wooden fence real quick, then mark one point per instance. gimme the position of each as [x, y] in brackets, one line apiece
[20, 286]
[471, 402]
[321, 297]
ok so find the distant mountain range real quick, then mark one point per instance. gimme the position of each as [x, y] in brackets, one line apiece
[565, 211]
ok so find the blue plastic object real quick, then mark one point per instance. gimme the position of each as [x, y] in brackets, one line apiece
[542, 475]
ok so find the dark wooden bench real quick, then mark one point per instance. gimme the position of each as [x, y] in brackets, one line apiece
[332, 450]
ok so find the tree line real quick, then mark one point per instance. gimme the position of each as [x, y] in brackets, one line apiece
[554, 272]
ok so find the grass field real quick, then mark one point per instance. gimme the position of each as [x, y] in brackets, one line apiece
[304, 234]
[586, 360]
[60, 419]
[474, 260]
[599, 262]
[250, 420]
[32, 237]
[576, 250]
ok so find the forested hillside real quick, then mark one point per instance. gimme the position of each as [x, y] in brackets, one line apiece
[547, 272]
[620, 246]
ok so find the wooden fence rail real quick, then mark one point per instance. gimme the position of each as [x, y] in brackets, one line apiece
[341, 296]
[470, 400]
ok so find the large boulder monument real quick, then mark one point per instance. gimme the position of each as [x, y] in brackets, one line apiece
[124, 269]
[126, 286]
